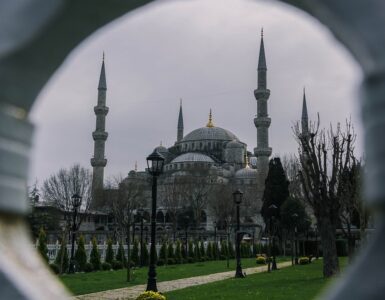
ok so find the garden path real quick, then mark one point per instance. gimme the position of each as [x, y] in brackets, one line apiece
[167, 286]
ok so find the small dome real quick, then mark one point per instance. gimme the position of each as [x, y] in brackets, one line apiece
[192, 157]
[234, 144]
[161, 149]
[246, 173]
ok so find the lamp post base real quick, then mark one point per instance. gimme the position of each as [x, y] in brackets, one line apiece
[239, 273]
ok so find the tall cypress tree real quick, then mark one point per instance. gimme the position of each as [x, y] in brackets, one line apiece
[276, 188]
[135, 253]
[120, 255]
[80, 254]
[109, 252]
[95, 255]
[42, 245]
[62, 257]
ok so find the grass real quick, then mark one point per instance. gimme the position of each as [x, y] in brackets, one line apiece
[84, 283]
[298, 282]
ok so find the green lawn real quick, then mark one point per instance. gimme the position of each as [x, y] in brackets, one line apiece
[84, 283]
[298, 282]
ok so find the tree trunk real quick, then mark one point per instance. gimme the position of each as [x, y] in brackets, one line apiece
[128, 253]
[327, 232]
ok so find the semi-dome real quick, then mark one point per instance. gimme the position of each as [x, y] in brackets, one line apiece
[246, 172]
[210, 133]
[161, 149]
[234, 144]
[192, 157]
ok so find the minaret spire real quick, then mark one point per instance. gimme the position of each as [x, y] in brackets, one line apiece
[180, 123]
[210, 123]
[98, 162]
[304, 118]
[262, 121]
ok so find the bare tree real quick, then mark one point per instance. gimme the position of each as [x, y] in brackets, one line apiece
[323, 156]
[291, 165]
[59, 188]
[127, 197]
[171, 191]
[221, 204]
[197, 187]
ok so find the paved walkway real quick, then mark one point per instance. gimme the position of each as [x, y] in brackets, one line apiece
[166, 286]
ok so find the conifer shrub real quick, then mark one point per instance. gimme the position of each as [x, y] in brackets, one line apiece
[183, 251]
[202, 249]
[55, 268]
[121, 256]
[80, 254]
[106, 266]
[109, 252]
[170, 251]
[160, 262]
[197, 252]
[170, 261]
[135, 253]
[163, 253]
[42, 245]
[116, 265]
[146, 255]
[209, 251]
[178, 253]
[62, 258]
[231, 250]
[95, 255]
[190, 250]
[88, 267]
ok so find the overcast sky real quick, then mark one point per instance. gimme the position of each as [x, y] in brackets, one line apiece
[206, 53]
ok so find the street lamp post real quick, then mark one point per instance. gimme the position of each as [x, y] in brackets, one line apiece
[76, 201]
[237, 195]
[272, 212]
[295, 217]
[155, 163]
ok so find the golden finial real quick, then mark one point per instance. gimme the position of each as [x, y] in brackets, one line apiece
[136, 166]
[210, 123]
[246, 160]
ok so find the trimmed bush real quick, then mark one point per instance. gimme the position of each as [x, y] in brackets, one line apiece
[88, 267]
[55, 268]
[303, 260]
[163, 252]
[116, 265]
[231, 250]
[80, 254]
[58, 260]
[260, 260]
[42, 245]
[160, 262]
[109, 252]
[209, 251]
[95, 255]
[150, 295]
[106, 266]
[202, 249]
[170, 251]
[190, 250]
[183, 251]
[190, 260]
[170, 261]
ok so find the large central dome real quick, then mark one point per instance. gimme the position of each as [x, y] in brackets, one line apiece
[210, 133]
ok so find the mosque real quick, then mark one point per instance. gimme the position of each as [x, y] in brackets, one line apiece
[202, 163]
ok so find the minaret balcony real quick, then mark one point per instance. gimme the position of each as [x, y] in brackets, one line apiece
[99, 135]
[263, 151]
[262, 94]
[101, 110]
[98, 162]
[262, 121]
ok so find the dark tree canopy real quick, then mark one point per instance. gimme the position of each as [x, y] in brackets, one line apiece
[293, 214]
[276, 188]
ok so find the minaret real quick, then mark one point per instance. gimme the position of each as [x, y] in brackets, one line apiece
[304, 118]
[262, 120]
[98, 162]
[180, 123]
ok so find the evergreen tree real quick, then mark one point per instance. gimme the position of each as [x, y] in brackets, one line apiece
[163, 252]
[197, 252]
[224, 250]
[135, 253]
[109, 252]
[190, 249]
[42, 245]
[202, 249]
[231, 250]
[183, 251]
[276, 189]
[95, 255]
[170, 253]
[209, 251]
[80, 254]
[215, 251]
[178, 253]
[62, 257]
[121, 256]
[145, 254]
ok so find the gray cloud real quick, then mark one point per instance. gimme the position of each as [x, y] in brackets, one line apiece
[206, 53]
